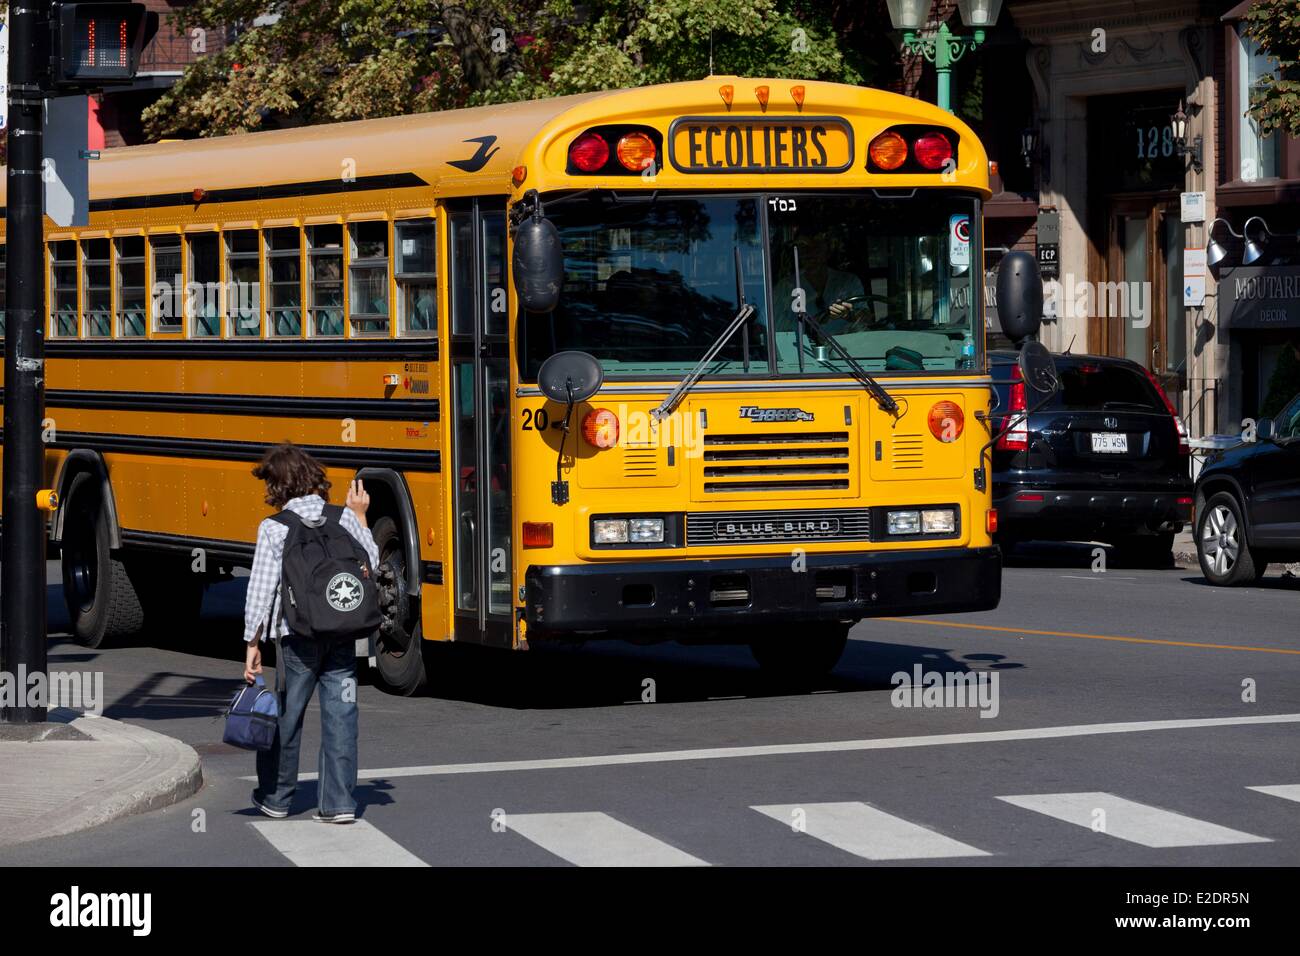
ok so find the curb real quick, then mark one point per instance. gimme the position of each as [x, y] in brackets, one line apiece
[156, 771]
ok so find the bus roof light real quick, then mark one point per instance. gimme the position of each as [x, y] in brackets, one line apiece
[932, 150]
[762, 93]
[589, 152]
[636, 151]
[797, 94]
[888, 150]
[728, 93]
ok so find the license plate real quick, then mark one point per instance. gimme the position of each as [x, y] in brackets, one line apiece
[1109, 443]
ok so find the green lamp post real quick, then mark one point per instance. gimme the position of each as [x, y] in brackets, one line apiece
[942, 48]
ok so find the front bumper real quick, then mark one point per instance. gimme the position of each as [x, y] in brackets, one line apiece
[1062, 511]
[750, 592]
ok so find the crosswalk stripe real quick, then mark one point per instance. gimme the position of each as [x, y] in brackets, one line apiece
[1131, 821]
[596, 839]
[1287, 791]
[311, 843]
[865, 831]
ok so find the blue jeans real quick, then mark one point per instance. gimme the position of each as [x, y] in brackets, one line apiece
[333, 666]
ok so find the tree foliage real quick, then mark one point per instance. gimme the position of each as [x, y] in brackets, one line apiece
[292, 62]
[1275, 100]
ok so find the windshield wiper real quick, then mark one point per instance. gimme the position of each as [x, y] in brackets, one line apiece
[882, 397]
[741, 319]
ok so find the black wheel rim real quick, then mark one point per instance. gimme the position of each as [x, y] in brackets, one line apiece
[81, 561]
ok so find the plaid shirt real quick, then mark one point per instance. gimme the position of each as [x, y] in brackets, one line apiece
[264, 580]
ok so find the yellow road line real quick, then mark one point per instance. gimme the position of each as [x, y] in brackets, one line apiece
[1091, 637]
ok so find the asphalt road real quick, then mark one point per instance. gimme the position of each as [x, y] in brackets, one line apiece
[1142, 717]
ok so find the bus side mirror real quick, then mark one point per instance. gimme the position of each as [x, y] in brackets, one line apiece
[538, 264]
[1038, 369]
[1020, 297]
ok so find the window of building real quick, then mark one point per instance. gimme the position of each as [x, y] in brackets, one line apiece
[325, 265]
[63, 288]
[131, 301]
[97, 270]
[284, 276]
[168, 284]
[368, 277]
[417, 277]
[203, 291]
[1261, 156]
[243, 287]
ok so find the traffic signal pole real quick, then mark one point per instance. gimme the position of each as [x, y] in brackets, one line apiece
[22, 559]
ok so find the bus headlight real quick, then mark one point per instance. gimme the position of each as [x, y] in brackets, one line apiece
[609, 530]
[938, 521]
[646, 530]
[904, 522]
[631, 530]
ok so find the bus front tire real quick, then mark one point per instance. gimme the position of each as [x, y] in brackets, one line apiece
[102, 602]
[797, 654]
[399, 647]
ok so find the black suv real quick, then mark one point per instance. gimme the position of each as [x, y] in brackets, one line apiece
[1248, 502]
[1105, 459]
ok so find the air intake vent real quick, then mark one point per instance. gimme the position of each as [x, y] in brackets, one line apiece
[908, 451]
[776, 461]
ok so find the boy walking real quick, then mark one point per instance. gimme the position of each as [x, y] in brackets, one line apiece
[296, 485]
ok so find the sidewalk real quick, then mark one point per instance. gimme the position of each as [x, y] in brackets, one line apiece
[1185, 549]
[77, 772]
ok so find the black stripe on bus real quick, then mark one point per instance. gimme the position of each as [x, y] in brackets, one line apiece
[265, 406]
[400, 459]
[318, 187]
[298, 350]
[240, 552]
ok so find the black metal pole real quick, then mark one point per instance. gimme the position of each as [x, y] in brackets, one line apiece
[22, 560]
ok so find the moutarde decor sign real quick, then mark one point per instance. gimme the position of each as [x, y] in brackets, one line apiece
[1260, 297]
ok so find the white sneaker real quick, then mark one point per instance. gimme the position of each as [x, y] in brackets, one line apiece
[344, 817]
[270, 811]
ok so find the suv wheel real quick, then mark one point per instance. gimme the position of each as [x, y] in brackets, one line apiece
[1221, 544]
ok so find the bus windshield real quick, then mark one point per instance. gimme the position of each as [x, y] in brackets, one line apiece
[651, 281]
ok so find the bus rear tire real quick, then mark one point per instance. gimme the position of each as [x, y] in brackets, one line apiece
[102, 603]
[797, 654]
[399, 646]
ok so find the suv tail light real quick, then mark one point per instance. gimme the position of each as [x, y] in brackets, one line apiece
[1183, 447]
[1017, 438]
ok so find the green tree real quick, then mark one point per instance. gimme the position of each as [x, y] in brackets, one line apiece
[1275, 100]
[292, 62]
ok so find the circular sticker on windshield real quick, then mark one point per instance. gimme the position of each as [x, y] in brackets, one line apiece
[343, 592]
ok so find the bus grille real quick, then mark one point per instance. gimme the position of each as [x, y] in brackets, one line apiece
[776, 461]
[748, 527]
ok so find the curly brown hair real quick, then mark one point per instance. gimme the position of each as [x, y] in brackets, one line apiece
[289, 472]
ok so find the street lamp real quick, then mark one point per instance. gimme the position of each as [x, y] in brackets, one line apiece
[943, 48]
[1254, 248]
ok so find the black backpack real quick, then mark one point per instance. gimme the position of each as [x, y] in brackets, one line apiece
[327, 586]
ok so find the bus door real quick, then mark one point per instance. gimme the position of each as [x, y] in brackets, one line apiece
[480, 379]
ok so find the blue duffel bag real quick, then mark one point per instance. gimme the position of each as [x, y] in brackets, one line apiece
[253, 717]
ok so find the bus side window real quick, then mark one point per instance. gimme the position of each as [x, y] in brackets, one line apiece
[96, 271]
[417, 277]
[63, 288]
[368, 277]
[130, 304]
[205, 279]
[168, 284]
[325, 278]
[284, 276]
[243, 287]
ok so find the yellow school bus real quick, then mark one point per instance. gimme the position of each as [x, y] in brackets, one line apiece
[701, 361]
